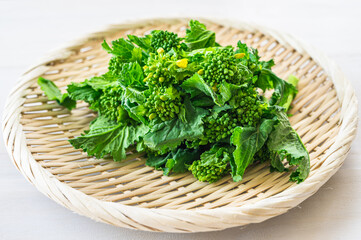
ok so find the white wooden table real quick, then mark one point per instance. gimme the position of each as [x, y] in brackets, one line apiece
[29, 29]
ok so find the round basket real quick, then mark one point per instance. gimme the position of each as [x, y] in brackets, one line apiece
[132, 195]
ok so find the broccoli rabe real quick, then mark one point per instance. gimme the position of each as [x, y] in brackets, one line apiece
[212, 166]
[217, 129]
[165, 40]
[157, 70]
[109, 105]
[164, 103]
[219, 66]
[189, 104]
[115, 65]
[248, 107]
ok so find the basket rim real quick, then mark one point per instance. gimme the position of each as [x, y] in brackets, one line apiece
[139, 217]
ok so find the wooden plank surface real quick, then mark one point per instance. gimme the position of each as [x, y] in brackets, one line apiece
[29, 29]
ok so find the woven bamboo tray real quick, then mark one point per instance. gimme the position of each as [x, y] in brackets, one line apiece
[132, 195]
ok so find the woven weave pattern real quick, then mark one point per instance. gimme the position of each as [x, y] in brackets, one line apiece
[316, 116]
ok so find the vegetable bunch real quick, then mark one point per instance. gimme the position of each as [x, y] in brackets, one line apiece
[190, 104]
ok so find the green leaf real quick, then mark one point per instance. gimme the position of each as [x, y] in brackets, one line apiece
[276, 162]
[228, 91]
[175, 161]
[124, 49]
[196, 86]
[250, 54]
[179, 160]
[136, 55]
[132, 100]
[198, 36]
[294, 81]
[169, 166]
[121, 48]
[248, 140]
[134, 94]
[91, 89]
[83, 91]
[202, 101]
[131, 75]
[188, 111]
[157, 161]
[285, 141]
[142, 42]
[269, 64]
[102, 82]
[216, 110]
[108, 137]
[168, 135]
[282, 89]
[53, 93]
[50, 89]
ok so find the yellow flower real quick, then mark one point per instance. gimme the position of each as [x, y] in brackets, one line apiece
[200, 72]
[160, 50]
[239, 55]
[152, 116]
[163, 98]
[183, 63]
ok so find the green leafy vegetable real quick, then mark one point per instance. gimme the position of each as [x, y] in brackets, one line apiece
[196, 86]
[248, 140]
[124, 50]
[294, 81]
[168, 135]
[213, 164]
[175, 161]
[131, 74]
[199, 37]
[142, 42]
[108, 137]
[53, 93]
[285, 141]
[282, 89]
[83, 91]
[189, 104]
